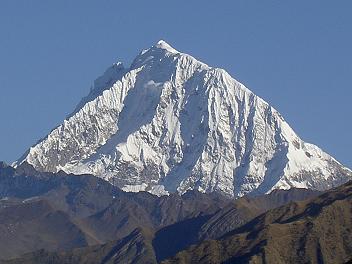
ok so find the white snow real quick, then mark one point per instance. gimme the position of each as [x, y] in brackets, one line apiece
[163, 45]
[171, 123]
[135, 188]
[158, 190]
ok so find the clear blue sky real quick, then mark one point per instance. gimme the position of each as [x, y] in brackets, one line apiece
[297, 55]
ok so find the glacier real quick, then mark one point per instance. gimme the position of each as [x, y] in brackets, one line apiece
[170, 123]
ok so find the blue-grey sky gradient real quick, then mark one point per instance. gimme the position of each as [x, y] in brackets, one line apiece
[296, 55]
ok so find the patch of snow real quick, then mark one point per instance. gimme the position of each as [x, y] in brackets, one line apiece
[158, 190]
[135, 188]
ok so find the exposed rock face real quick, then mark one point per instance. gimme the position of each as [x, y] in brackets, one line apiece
[171, 123]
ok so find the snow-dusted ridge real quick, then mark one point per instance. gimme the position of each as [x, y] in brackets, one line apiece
[171, 123]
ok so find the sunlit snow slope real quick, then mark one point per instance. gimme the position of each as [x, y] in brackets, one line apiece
[171, 123]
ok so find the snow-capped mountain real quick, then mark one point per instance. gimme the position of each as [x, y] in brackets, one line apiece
[171, 123]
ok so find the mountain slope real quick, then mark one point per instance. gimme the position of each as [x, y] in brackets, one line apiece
[214, 225]
[134, 248]
[317, 230]
[61, 211]
[31, 225]
[312, 231]
[58, 211]
[171, 123]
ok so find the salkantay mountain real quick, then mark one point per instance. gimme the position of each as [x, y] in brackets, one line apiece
[170, 123]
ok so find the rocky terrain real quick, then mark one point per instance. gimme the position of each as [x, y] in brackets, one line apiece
[77, 219]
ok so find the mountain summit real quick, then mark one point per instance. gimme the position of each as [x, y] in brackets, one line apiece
[171, 123]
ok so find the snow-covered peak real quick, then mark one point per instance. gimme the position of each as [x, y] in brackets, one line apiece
[161, 44]
[172, 123]
[154, 54]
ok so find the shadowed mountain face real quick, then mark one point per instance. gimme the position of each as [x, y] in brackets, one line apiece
[228, 218]
[312, 231]
[316, 230]
[97, 211]
[30, 225]
[134, 248]
[53, 213]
